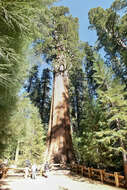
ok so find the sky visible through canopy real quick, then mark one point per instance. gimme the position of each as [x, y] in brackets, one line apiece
[80, 9]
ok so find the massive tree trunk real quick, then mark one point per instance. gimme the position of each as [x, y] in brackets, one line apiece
[59, 140]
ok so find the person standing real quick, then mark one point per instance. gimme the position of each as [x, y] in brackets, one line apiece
[46, 169]
[26, 172]
[34, 169]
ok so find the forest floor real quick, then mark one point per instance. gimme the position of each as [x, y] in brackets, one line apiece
[54, 182]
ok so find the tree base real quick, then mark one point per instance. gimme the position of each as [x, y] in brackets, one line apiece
[60, 171]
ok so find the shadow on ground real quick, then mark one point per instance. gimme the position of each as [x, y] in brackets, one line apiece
[80, 178]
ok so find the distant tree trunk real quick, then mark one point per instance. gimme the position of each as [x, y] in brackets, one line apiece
[77, 110]
[124, 154]
[59, 140]
[17, 152]
[124, 161]
[125, 167]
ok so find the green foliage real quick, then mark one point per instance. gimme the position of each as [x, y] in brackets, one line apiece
[98, 95]
[99, 142]
[88, 64]
[119, 4]
[112, 36]
[39, 89]
[77, 89]
[18, 27]
[25, 129]
[110, 80]
[61, 39]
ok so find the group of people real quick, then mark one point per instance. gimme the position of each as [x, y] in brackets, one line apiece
[33, 171]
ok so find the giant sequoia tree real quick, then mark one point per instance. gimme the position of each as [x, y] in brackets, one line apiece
[59, 49]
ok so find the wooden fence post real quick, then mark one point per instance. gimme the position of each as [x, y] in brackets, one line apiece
[82, 170]
[77, 168]
[116, 179]
[89, 172]
[102, 175]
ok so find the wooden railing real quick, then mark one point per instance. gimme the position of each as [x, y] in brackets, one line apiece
[98, 174]
[20, 172]
[3, 172]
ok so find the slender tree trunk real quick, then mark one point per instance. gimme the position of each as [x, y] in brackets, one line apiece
[59, 140]
[17, 153]
[124, 161]
[125, 167]
[124, 154]
[77, 110]
[43, 101]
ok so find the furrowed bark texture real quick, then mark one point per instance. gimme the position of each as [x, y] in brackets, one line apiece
[59, 140]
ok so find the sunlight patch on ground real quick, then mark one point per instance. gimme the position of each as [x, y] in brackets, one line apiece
[55, 182]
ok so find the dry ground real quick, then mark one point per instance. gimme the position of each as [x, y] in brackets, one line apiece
[54, 182]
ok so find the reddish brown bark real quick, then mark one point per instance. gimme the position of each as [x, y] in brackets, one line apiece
[59, 140]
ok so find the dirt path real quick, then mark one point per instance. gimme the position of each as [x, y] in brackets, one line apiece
[54, 182]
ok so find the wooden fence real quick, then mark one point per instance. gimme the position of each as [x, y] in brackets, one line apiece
[98, 174]
[3, 172]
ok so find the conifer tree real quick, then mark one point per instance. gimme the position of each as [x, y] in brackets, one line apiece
[110, 27]
[25, 124]
[45, 96]
[76, 91]
[87, 147]
[59, 48]
[111, 32]
[113, 132]
[39, 88]
[16, 32]
[89, 55]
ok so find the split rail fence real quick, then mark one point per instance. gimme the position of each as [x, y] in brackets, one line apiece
[15, 172]
[99, 174]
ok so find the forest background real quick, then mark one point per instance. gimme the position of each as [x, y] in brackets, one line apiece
[97, 86]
